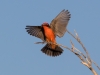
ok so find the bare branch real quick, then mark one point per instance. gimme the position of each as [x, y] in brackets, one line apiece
[96, 65]
[85, 59]
[78, 39]
[88, 62]
[90, 67]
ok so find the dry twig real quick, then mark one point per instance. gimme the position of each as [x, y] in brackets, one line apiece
[85, 59]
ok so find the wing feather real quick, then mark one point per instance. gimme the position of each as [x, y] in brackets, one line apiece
[60, 22]
[35, 31]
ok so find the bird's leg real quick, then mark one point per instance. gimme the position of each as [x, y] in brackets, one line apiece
[40, 42]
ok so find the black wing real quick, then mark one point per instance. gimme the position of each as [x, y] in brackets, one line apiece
[35, 31]
[60, 22]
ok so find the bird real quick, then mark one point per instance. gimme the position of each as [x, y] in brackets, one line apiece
[48, 32]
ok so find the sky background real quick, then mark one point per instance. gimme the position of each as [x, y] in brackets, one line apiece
[20, 56]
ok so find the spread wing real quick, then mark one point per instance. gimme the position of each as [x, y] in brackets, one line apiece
[60, 22]
[35, 31]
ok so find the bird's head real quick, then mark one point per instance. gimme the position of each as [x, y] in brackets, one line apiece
[45, 24]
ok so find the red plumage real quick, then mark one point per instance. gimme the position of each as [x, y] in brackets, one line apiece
[48, 32]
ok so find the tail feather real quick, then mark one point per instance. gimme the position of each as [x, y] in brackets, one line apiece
[47, 49]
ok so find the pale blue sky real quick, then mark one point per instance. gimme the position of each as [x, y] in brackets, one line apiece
[18, 53]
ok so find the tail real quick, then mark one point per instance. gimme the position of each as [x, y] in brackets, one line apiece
[47, 49]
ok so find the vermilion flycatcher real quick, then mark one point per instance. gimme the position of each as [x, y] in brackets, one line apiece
[48, 32]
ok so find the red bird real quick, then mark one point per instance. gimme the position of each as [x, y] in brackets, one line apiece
[48, 33]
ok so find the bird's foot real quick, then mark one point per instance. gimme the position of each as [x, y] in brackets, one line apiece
[40, 42]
